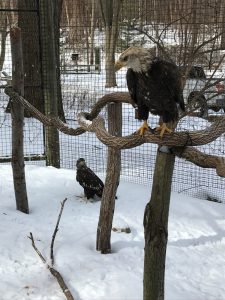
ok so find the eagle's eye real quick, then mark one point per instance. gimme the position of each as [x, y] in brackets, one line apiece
[125, 58]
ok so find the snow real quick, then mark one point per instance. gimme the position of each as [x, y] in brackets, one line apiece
[85, 121]
[195, 268]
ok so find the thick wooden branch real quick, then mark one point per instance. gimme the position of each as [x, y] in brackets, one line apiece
[51, 121]
[182, 138]
[201, 159]
[93, 123]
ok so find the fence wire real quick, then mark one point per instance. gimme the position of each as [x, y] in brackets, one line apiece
[190, 33]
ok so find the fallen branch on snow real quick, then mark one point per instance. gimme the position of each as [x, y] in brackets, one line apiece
[52, 270]
[55, 231]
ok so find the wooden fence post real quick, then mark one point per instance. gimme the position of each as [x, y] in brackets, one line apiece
[17, 113]
[111, 182]
[98, 59]
[49, 79]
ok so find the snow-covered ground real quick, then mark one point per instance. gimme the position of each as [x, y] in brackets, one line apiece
[195, 268]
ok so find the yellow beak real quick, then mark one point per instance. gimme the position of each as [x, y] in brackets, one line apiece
[118, 65]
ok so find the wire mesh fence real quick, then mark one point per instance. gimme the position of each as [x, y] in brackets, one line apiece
[91, 35]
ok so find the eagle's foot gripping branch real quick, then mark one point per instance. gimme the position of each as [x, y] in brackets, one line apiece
[163, 129]
[143, 127]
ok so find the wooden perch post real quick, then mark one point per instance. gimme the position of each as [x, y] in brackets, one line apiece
[111, 182]
[17, 112]
[156, 227]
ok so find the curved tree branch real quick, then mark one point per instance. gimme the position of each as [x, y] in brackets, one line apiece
[177, 140]
[201, 159]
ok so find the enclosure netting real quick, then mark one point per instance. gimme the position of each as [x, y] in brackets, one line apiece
[191, 33]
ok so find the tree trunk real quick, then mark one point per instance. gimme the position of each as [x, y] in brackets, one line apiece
[110, 13]
[110, 58]
[195, 25]
[103, 243]
[57, 16]
[28, 22]
[92, 29]
[17, 123]
[49, 76]
[29, 25]
[156, 227]
[223, 28]
[3, 34]
[98, 59]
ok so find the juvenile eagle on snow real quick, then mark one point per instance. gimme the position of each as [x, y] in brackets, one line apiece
[90, 182]
[154, 85]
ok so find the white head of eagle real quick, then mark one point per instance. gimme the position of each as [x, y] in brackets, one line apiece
[137, 58]
[154, 85]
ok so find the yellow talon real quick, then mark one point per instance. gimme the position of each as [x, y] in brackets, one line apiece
[163, 129]
[143, 127]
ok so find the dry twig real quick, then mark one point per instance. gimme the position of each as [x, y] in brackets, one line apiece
[53, 271]
[55, 231]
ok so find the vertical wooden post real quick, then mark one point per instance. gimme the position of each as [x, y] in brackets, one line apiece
[223, 29]
[17, 112]
[98, 59]
[156, 227]
[111, 182]
[57, 5]
[49, 76]
[3, 37]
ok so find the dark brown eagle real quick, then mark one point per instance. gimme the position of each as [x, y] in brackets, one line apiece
[90, 182]
[154, 85]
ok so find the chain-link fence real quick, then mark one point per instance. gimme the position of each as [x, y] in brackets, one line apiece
[91, 34]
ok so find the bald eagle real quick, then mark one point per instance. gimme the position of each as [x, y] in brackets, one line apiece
[90, 182]
[154, 85]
